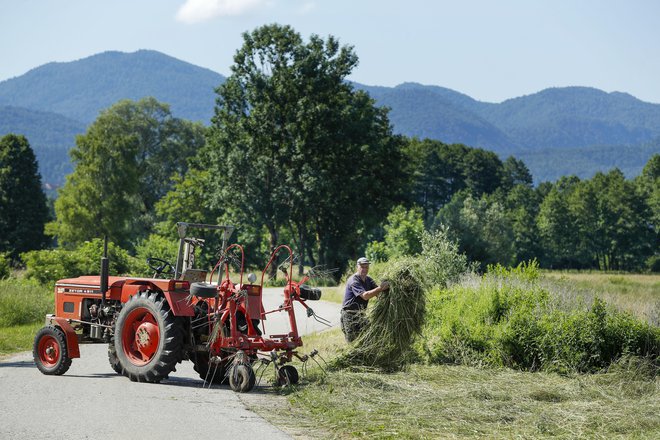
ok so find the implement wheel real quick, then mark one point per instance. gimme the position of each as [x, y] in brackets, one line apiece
[210, 373]
[50, 352]
[147, 339]
[287, 375]
[241, 378]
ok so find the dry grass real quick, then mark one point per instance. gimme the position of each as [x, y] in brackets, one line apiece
[636, 293]
[465, 402]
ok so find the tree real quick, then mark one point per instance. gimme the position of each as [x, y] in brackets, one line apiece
[522, 207]
[559, 236]
[516, 173]
[480, 226]
[124, 164]
[294, 147]
[23, 208]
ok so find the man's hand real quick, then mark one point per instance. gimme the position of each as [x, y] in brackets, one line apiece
[385, 285]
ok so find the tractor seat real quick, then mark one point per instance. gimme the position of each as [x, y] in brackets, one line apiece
[194, 275]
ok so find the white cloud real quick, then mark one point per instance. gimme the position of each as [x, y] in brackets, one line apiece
[194, 11]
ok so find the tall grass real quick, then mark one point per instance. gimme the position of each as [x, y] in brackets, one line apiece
[510, 318]
[638, 294]
[23, 302]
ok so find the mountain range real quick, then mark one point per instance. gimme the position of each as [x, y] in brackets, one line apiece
[557, 131]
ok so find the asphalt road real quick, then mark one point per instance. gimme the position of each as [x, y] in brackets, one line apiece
[90, 401]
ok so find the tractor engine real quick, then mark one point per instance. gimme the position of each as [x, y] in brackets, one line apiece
[102, 315]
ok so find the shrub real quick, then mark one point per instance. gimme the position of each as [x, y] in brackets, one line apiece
[156, 246]
[48, 266]
[443, 264]
[376, 251]
[507, 319]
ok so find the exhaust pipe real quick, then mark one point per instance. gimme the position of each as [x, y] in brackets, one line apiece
[104, 270]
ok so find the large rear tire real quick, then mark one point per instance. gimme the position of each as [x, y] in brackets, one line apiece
[113, 359]
[147, 339]
[50, 351]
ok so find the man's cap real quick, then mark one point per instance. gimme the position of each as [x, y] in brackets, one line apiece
[363, 260]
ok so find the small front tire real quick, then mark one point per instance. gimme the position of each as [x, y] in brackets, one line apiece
[50, 351]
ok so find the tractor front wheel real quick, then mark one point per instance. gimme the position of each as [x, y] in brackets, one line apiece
[50, 352]
[241, 378]
[147, 340]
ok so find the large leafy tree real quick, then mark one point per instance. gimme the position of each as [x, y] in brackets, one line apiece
[293, 147]
[124, 164]
[23, 209]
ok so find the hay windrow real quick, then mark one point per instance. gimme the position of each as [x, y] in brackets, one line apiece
[396, 319]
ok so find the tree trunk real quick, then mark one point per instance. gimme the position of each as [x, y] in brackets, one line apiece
[274, 239]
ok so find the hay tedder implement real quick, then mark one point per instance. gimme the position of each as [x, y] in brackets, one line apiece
[151, 324]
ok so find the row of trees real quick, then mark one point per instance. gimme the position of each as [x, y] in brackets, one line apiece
[294, 154]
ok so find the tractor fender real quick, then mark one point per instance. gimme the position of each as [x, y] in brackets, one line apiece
[72, 346]
[180, 304]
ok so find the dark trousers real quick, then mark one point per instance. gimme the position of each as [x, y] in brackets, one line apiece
[353, 322]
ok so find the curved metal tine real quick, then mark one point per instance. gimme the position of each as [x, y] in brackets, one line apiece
[320, 319]
[320, 271]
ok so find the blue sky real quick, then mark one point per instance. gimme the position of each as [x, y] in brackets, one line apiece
[490, 50]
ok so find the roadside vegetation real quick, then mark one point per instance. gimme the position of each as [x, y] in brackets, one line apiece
[23, 307]
[512, 353]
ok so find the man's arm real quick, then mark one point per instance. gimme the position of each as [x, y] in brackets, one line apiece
[375, 292]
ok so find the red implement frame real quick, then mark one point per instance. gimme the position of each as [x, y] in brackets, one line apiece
[235, 299]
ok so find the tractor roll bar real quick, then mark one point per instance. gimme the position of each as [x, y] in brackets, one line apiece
[182, 229]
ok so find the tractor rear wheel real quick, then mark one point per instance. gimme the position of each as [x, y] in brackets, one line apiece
[242, 378]
[50, 352]
[113, 359]
[147, 339]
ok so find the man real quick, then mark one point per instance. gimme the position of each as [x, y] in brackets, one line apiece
[360, 288]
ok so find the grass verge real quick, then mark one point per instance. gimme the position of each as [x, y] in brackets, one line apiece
[446, 401]
[17, 338]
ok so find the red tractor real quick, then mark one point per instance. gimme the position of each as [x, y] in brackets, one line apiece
[151, 324]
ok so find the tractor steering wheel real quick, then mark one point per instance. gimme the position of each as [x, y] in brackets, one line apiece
[160, 267]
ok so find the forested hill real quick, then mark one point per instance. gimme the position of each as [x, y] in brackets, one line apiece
[80, 89]
[592, 129]
[568, 117]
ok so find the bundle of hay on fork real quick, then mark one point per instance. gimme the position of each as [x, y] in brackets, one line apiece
[395, 319]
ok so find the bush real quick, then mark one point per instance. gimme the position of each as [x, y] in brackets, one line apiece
[48, 266]
[507, 319]
[443, 263]
[23, 302]
[376, 251]
[156, 246]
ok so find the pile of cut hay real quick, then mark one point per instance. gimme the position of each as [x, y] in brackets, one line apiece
[395, 319]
